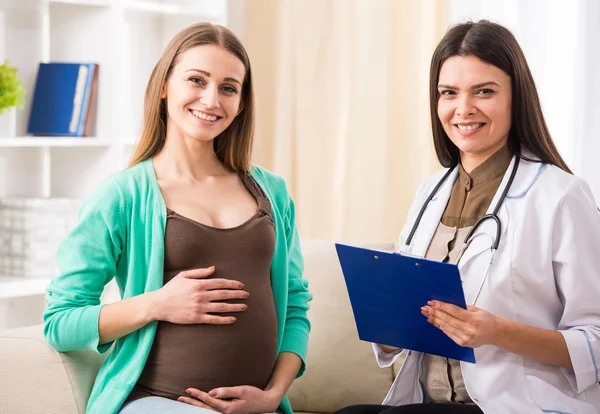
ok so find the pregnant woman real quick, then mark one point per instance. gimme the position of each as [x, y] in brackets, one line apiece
[203, 246]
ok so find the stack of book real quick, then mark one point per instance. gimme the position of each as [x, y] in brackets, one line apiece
[64, 100]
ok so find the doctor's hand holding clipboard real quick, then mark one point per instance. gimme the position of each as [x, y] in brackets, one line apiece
[390, 292]
[472, 327]
[408, 282]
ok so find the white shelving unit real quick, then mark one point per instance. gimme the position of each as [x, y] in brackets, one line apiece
[16, 287]
[52, 142]
[126, 38]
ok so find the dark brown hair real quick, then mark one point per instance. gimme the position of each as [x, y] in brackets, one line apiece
[496, 45]
[234, 145]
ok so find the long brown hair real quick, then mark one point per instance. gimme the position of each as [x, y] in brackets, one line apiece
[234, 145]
[497, 46]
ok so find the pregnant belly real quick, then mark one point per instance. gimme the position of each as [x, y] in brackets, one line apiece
[211, 356]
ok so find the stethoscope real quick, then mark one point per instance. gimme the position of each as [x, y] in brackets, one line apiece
[471, 234]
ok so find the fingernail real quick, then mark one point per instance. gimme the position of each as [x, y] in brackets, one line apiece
[241, 286]
[232, 320]
[244, 307]
[431, 303]
[213, 393]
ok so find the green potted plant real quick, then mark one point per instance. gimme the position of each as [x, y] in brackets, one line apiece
[11, 96]
[11, 89]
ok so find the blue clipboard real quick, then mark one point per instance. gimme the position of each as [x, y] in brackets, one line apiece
[387, 291]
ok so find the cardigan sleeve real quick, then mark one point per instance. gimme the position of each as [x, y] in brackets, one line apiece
[297, 325]
[87, 260]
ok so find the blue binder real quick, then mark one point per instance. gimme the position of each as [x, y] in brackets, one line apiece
[387, 291]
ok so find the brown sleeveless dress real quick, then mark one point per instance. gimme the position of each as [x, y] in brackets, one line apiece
[210, 356]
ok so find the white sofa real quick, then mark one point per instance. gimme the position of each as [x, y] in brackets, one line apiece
[341, 370]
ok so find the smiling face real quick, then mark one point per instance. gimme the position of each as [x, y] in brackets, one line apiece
[203, 93]
[474, 106]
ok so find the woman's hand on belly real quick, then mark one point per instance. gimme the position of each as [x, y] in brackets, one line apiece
[189, 298]
[234, 400]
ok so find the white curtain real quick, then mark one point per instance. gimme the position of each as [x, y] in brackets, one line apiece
[343, 112]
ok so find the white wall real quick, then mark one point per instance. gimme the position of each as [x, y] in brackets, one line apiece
[588, 152]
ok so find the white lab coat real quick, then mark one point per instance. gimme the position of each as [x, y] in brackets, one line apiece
[546, 273]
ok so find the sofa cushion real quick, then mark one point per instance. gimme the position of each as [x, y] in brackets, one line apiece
[341, 370]
[37, 379]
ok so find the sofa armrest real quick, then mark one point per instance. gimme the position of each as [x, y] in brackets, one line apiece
[37, 379]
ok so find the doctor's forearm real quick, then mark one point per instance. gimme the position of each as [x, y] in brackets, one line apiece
[543, 345]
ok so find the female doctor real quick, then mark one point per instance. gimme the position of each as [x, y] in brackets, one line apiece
[530, 268]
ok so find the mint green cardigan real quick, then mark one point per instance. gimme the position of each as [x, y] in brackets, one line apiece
[121, 234]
